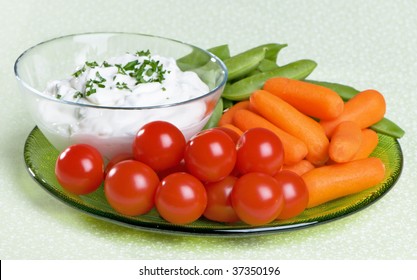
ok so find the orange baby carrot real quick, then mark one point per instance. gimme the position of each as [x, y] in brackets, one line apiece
[330, 182]
[313, 100]
[227, 116]
[369, 143]
[345, 141]
[294, 149]
[300, 167]
[366, 108]
[289, 119]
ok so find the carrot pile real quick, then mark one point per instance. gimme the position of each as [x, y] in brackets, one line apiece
[326, 141]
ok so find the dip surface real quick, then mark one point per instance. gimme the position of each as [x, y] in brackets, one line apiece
[129, 80]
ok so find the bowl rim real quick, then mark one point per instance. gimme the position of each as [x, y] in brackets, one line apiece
[73, 103]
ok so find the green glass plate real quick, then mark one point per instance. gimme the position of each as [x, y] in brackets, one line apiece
[40, 157]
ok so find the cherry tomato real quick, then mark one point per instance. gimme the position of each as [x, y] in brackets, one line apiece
[295, 193]
[259, 150]
[159, 144]
[130, 187]
[180, 198]
[114, 160]
[178, 168]
[257, 198]
[210, 155]
[233, 134]
[219, 206]
[80, 169]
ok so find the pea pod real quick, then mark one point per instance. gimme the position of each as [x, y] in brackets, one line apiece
[215, 117]
[267, 65]
[388, 127]
[272, 50]
[264, 66]
[242, 64]
[346, 92]
[227, 103]
[193, 60]
[243, 88]
[222, 51]
[384, 126]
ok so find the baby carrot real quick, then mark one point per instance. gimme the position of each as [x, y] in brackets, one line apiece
[313, 100]
[300, 167]
[227, 117]
[289, 119]
[330, 182]
[366, 108]
[294, 149]
[369, 143]
[345, 141]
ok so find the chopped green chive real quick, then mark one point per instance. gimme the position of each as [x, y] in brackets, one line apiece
[143, 70]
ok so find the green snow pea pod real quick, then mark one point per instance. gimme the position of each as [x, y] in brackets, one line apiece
[264, 66]
[222, 51]
[267, 65]
[346, 92]
[271, 50]
[193, 60]
[242, 64]
[215, 117]
[388, 127]
[243, 88]
[227, 103]
[384, 126]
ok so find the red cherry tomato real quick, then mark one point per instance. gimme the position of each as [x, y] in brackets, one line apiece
[210, 155]
[114, 160]
[259, 150]
[80, 169]
[159, 144]
[178, 168]
[130, 187]
[233, 134]
[295, 193]
[257, 198]
[219, 206]
[180, 198]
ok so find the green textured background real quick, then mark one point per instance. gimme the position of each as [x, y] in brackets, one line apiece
[365, 44]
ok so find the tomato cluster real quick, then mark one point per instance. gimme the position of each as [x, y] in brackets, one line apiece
[216, 174]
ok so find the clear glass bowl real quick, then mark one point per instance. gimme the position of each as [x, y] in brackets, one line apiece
[111, 129]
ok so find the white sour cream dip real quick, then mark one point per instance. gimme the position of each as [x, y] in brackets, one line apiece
[130, 80]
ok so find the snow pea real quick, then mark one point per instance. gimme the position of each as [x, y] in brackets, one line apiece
[193, 60]
[222, 51]
[227, 103]
[243, 63]
[346, 92]
[243, 88]
[384, 126]
[267, 65]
